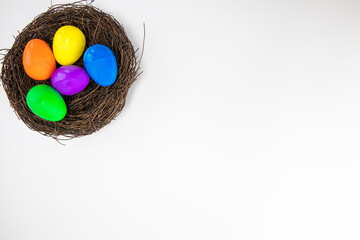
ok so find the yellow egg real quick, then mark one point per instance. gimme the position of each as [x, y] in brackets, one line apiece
[68, 44]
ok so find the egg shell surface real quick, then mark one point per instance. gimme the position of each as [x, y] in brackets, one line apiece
[70, 79]
[101, 65]
[68, 44]
[38, 60]
[45, 102]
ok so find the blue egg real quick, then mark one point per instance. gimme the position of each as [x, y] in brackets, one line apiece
[100, 63]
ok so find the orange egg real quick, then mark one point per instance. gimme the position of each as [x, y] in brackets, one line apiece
[38, 60]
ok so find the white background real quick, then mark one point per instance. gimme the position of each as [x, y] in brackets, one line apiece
[244, 125]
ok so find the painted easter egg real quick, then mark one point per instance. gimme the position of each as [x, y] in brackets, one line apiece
[68, 44]
[46, 103]
[100, 63]
[70, 79]
[38, 60]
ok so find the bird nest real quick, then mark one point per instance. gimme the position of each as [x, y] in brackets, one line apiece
[94, 107]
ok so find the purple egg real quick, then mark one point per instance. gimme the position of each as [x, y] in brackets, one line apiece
[70, 79]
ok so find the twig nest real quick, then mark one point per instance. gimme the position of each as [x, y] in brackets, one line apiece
[97, 104]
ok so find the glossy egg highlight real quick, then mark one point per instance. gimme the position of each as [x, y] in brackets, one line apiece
[45, 102]
[38, 60]
[68, 44]
[100, 63]
[70, 79]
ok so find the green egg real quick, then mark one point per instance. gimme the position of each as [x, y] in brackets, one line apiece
[46, 103]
